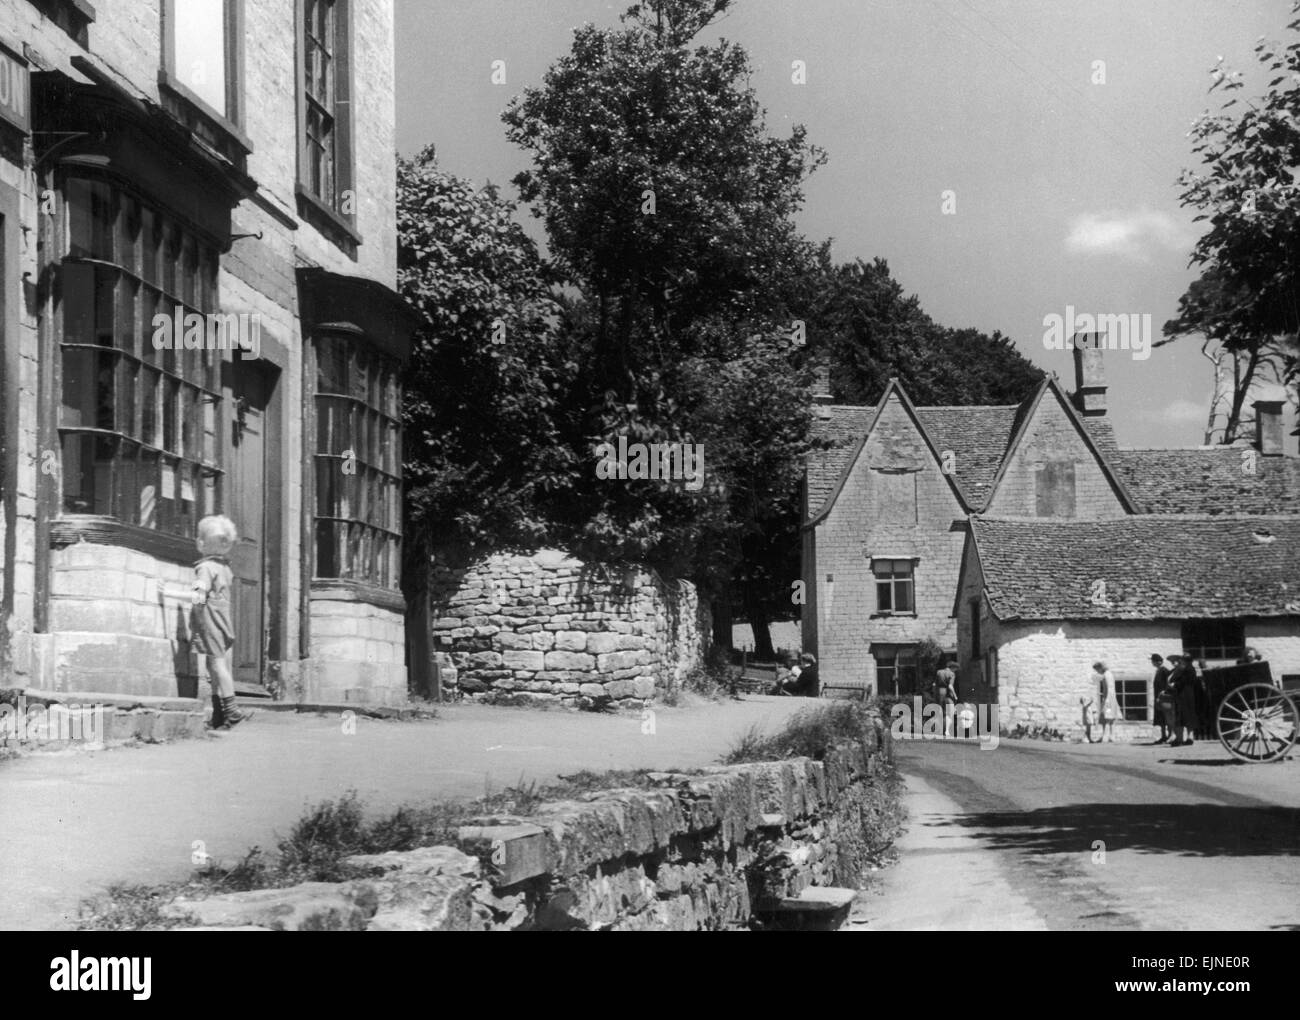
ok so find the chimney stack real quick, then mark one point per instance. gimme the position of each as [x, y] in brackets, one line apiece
[821, 387]
[1268, 427]
[1089, 374]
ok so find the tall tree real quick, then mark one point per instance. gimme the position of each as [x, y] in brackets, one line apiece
[669, 210]
[1246, 304]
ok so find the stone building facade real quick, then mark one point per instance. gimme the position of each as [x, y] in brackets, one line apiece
[228, 166]
[890, 559]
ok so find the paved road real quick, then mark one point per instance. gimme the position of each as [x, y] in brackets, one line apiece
[1109, 836]
[75, 821]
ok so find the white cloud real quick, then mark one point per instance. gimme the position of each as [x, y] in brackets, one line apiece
[1130, 235]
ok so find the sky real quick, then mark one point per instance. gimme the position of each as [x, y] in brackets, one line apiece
[1009, 159]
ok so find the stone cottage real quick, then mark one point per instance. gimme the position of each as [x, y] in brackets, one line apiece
[894, 508]
[1042, 600]
[197, 200]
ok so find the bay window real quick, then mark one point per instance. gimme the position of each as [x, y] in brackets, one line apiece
[358, 463]
[139, 427]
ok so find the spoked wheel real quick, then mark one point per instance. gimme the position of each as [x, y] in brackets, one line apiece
[1257, 722]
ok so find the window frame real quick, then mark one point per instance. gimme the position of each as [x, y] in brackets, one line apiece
[888, 659]
[381, 425]
[232, 119]
[325, 212]
[201, 457]
[892, 582]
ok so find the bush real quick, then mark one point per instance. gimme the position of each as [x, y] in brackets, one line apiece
[809, 733]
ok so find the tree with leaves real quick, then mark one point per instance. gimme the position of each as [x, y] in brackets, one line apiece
[669, 211]
[1246, 304]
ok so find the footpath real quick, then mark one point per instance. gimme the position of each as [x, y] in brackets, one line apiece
[76, 821]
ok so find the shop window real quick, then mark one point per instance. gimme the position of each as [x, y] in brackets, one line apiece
[1214, 639]
[358, 464]
[139, 426]
[202, 42]
[894, 591]
[896, 671]
[325, 123]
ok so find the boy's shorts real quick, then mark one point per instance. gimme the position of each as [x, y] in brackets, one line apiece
[211, 632]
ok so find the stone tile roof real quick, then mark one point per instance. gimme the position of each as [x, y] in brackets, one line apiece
[1208, 481]
[978, 436]
[1154, 567]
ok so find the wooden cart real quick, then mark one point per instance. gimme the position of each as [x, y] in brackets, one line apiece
[1257, 721]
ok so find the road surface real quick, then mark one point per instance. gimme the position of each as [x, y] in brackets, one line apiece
[1042, 836]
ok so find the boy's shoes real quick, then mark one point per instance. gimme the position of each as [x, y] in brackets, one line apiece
[218, 713]
[231, 715]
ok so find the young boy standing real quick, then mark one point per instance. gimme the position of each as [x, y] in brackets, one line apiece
[211, 630]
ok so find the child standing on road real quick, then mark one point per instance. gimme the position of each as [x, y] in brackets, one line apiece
[211, 630]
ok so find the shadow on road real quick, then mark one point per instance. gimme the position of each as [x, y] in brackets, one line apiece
[1185, 830]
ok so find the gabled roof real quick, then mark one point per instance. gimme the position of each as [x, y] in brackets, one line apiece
[978, 437]
[1210, 481]
[1025, 414]
[1154, 567]
[828, 470]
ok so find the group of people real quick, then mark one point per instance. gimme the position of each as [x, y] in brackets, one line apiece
[1182, 700]
[799, 679]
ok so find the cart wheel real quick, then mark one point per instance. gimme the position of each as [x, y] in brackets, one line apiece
[1257, 722]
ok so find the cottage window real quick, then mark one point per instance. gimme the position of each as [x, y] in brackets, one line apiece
[895, 669]
[139, 426]
[358, 463]
[325, 121]
[1132, 697]
[201, 52]
[893, 586]
[1214, 639]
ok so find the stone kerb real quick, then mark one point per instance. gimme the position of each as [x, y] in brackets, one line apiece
[549, 628]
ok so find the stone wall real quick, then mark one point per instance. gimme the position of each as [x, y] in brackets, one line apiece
[776, 844]
[548, 628]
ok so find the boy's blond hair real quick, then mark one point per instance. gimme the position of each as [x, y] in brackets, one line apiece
[216, 527]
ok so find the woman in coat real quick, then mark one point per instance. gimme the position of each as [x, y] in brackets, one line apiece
[1183, 682]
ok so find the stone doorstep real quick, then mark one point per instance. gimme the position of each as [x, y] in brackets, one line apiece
[336, 708]
[125, 702]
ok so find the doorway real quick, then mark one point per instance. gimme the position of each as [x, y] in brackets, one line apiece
[249, 385]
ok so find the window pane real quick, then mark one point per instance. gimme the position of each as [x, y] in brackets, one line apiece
[150, 235]
[331, 365]
[884, 597]
[127, 369]
[126, 498]
[171, 395]
[149, 307]
[150, 395]
[903, 596]
[127, 333]
[90, 219]
[147, 478]
[105, 292]
[198, 40]
[128, 234]
[327, 564]
[79, 388]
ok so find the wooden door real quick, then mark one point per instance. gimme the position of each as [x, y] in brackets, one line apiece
[246, 506]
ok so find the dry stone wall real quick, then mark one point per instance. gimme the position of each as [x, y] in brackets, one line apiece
[765, 845]
[549, 628]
